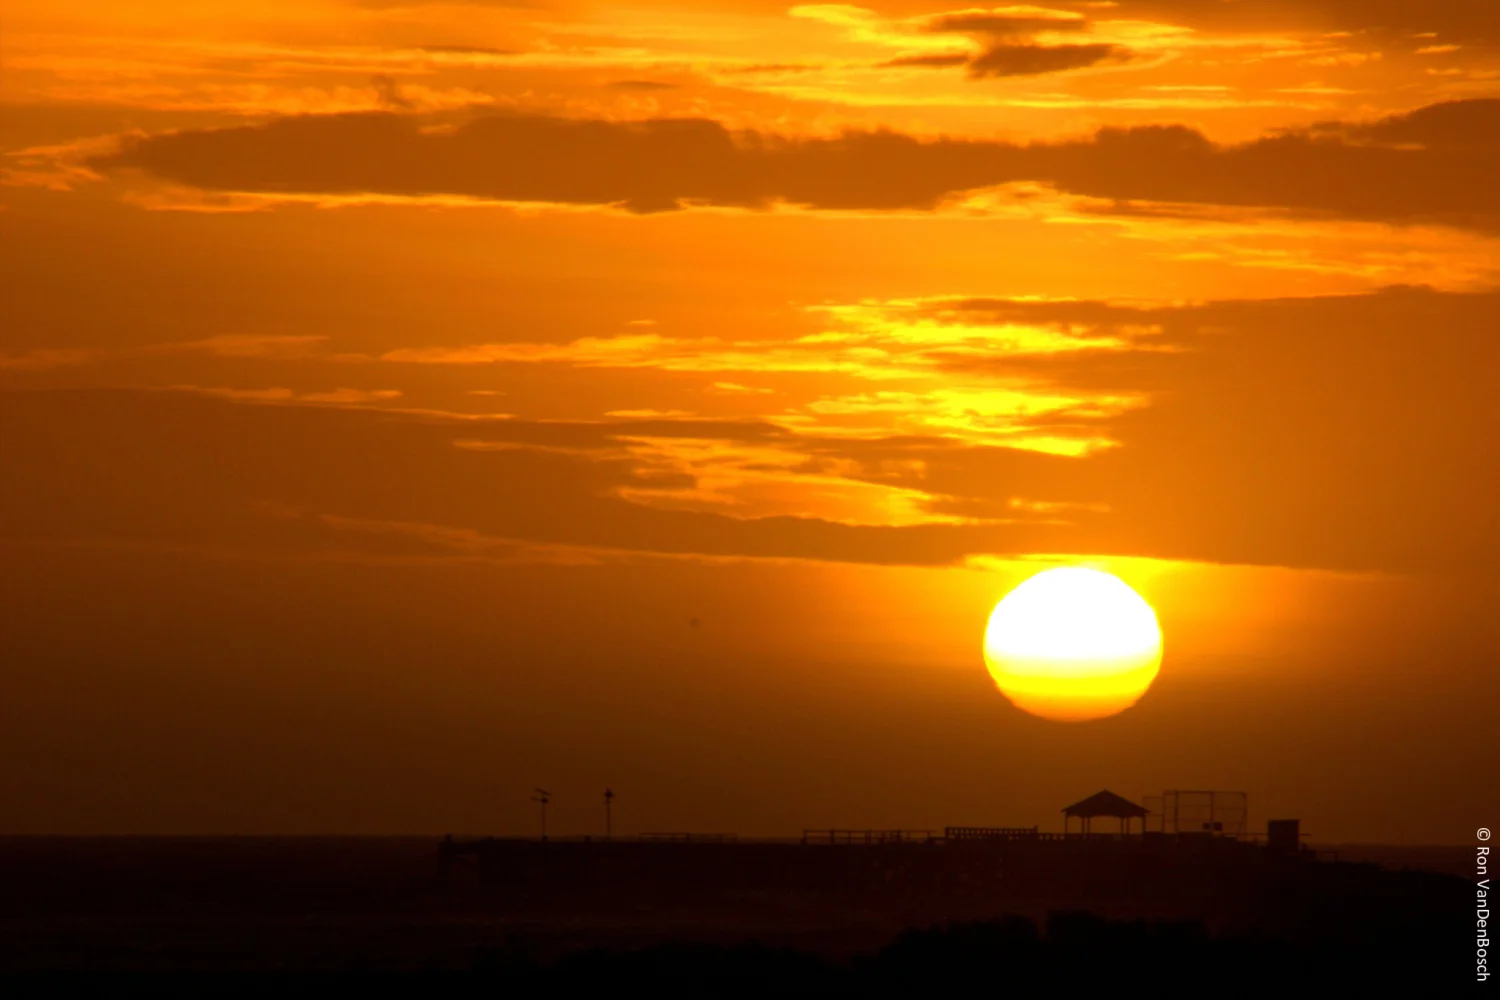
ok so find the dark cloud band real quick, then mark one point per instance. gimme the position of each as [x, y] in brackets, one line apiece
[1436, 164]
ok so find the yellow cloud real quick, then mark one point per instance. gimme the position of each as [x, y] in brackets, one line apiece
[756, 480]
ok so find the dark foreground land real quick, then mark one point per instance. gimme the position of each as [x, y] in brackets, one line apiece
[741, 919]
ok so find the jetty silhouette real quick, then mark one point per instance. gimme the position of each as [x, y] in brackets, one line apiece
[1191, 847]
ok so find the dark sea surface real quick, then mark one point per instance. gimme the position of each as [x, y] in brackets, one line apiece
[340, 904]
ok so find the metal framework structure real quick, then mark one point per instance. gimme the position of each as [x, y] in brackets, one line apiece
[1214, 813]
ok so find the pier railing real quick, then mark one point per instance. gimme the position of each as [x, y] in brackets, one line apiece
[869, 837]
[996, 833]
[852, 837]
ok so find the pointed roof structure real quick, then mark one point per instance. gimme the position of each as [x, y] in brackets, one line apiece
[1105, 803]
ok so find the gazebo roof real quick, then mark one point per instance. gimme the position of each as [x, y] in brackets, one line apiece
[1104, 803]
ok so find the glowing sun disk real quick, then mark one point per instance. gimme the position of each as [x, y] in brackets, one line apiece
[1073, 644]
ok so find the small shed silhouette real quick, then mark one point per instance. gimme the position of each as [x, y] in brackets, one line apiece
[1104, 803]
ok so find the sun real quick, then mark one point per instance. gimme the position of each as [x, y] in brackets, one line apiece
[1073, 644]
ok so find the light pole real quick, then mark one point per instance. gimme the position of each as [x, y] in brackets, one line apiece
[542, 797]
[609, 798]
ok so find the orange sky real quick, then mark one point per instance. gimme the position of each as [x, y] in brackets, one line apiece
[404, 404]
